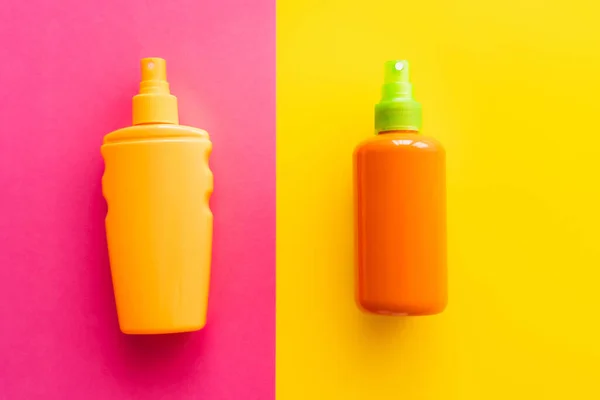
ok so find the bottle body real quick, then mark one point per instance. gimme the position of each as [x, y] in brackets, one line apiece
[157, 184]
[400, 200]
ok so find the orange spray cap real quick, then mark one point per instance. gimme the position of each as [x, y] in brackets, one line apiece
[154, 104]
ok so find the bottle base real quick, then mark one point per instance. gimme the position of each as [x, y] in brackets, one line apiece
[161, 330]
[399, 310]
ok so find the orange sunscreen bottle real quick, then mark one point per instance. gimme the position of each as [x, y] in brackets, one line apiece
[400, 190]
[157, 185]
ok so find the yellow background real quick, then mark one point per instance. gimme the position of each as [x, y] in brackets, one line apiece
[512, 88]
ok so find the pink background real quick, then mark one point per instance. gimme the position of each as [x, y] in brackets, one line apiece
[68, 70]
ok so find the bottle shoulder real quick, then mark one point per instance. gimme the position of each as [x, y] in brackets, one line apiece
[413, 142]
[155, 131]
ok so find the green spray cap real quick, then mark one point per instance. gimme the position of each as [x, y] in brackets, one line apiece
[397, 109]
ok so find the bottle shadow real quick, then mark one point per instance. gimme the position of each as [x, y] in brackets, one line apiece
[381, 331]
[382, 326]
[378, 336]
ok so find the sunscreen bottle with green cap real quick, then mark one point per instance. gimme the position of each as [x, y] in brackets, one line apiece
[157, 184]
[400, 189]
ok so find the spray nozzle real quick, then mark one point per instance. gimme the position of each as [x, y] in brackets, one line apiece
[154, 69]
[396, 83]
[154, 76]
[396, 71]
[397, 109]
[154, 103]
